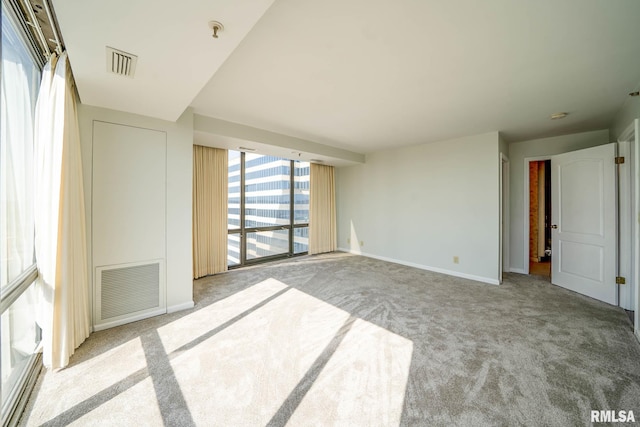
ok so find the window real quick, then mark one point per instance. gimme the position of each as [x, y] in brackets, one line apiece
[20, 336]
[301, 207]
[20, 80]
[268, 207]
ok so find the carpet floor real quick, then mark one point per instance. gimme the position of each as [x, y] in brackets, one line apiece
[345, 340]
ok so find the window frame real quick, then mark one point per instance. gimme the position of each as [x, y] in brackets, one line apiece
[17, 287]
[16, 398]
[243, 230]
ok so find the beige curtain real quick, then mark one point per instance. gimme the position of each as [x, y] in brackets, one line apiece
[209, 211]
[60, 232]
[322, 209]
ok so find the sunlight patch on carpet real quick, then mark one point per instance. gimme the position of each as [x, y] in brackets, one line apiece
[364, 380]
[190, 327]
[123, 361]
[248, 369]
[117, 411]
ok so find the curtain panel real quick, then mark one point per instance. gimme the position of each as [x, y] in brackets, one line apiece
[322, 209]
[60, 229]
[210, 176]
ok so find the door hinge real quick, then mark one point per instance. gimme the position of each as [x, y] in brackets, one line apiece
[620, 280]
[619, 160]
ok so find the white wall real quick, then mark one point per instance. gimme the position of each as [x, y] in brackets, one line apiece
[423, 205]
[179, 161]
[629, 111]
[128, 201]
[504, 146]
[537, 148]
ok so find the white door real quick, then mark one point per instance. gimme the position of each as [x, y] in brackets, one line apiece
[583, 213]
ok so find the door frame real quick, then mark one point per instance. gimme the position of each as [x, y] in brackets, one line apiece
[504, 261]
[528, 160]
[632, 155]
[625, 225]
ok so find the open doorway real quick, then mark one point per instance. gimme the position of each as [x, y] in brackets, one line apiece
[587, 230]
[540, 218]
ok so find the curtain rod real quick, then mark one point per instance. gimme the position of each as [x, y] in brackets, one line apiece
[33, 22]
[54, 26]
[43, 40]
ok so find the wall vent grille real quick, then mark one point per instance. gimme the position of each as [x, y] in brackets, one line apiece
[129, 290]
[121, 63]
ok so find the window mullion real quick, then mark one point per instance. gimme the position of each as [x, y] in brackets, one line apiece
[291, 205]
[243, 235]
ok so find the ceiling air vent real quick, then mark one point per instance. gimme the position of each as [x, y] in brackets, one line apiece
[121, 63]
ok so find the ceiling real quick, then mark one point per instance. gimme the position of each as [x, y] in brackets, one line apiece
[364, 75]
[237, 144]
[177, 54]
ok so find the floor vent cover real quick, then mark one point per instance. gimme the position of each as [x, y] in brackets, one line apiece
[129, 290]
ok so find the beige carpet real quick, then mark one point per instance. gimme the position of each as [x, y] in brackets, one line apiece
[347, 341]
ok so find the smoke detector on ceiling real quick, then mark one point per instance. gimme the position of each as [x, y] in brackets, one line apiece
[121, 63]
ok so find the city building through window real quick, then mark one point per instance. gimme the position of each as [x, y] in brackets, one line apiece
[268, 208]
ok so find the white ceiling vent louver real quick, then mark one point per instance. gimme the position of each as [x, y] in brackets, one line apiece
[121, 63]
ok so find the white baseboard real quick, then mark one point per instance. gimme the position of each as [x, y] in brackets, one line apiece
[128, 319]
[426, 267]
[517, 270]
[637, 334]
[349, 251]
[179, 307]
